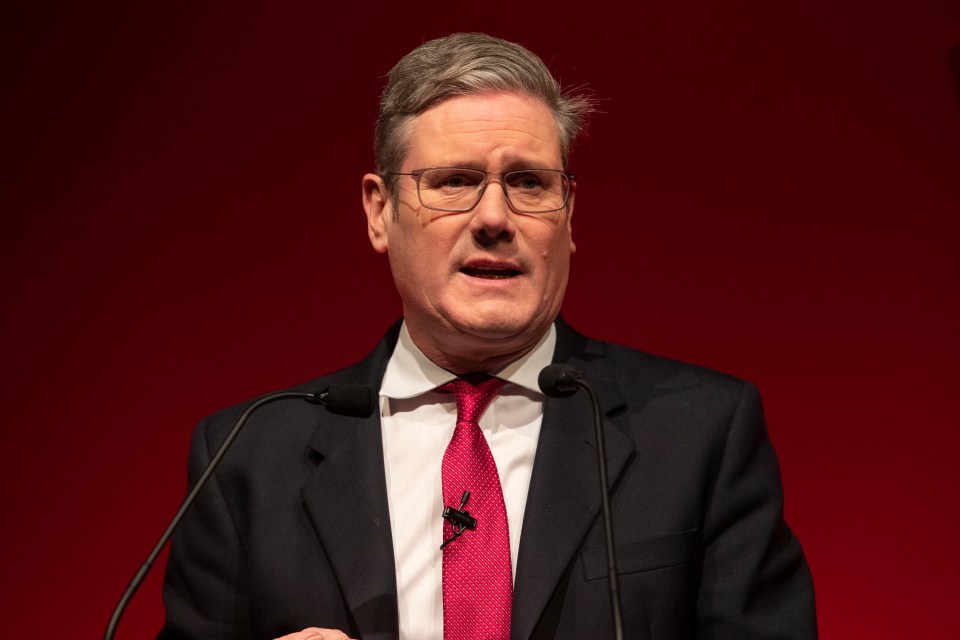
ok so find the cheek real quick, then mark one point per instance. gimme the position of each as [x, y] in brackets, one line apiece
[554, 247]
[559, 262]
[544, 237]
[422, 254]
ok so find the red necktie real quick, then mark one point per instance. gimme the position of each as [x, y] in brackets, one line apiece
[477, 574]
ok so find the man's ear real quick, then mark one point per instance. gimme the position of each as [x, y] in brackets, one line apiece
[573, 192]
[376, 202]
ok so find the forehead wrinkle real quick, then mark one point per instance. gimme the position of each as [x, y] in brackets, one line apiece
[474, 143]
[508, 161]
[507, 127]
[486, 121]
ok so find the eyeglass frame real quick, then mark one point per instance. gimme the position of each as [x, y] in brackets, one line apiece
[416, 174]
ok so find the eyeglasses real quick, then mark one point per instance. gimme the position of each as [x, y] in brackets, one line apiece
[456, 189]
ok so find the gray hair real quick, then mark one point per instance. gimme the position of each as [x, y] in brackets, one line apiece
[465, 64]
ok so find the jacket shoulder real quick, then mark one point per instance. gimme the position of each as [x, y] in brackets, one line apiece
[637, 372]
[368, 371]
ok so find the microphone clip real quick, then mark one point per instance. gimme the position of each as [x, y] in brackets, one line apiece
[459, 519]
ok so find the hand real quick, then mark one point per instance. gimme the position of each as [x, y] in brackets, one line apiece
[316, 633]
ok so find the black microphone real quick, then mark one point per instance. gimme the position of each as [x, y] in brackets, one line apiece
[562, 381]
[459, 519]
[559, 380]
[354, 400]
[358, 401]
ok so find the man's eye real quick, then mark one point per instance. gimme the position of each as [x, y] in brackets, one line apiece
[454, 182]
[525, 182]
[442, 180]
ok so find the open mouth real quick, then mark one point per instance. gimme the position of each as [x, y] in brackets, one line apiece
[490, 273]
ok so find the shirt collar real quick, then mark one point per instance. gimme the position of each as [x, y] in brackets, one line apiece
[410, 373]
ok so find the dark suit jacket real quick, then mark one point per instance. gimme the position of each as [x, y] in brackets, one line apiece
[295, 530]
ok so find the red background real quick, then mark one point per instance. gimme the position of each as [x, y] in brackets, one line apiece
[772, 190]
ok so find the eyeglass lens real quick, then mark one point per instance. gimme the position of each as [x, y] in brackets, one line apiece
[529, 190]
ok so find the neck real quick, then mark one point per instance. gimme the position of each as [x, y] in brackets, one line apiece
[480, 356]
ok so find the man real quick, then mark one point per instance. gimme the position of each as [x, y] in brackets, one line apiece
[320, 526]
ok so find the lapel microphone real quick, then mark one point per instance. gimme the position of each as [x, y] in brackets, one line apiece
[353, 400]
[459, 519]
[562, 381]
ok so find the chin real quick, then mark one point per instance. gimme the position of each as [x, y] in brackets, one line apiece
[494, 325]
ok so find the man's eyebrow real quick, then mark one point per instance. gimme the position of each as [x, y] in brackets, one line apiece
[514, 162]
[509, 163]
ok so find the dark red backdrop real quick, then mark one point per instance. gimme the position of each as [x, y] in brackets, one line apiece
[772, 191]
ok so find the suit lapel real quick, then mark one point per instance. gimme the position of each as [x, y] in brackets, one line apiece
[564, 497]
[346, 499]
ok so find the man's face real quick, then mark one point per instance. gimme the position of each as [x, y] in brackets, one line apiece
[487, 282]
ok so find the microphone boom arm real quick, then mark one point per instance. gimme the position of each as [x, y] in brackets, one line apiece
[612, 573]
[562, 381]
[353, 400]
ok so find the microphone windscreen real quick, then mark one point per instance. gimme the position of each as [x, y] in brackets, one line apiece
[356, 400]
[559, 380]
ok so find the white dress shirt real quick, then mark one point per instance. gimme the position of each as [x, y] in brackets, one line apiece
[417, 424]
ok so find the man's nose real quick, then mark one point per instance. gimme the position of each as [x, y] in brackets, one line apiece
[492, 218]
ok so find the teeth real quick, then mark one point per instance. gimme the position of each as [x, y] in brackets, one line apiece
[492, 274]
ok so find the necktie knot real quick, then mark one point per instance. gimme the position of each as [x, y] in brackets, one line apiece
[473, 394]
